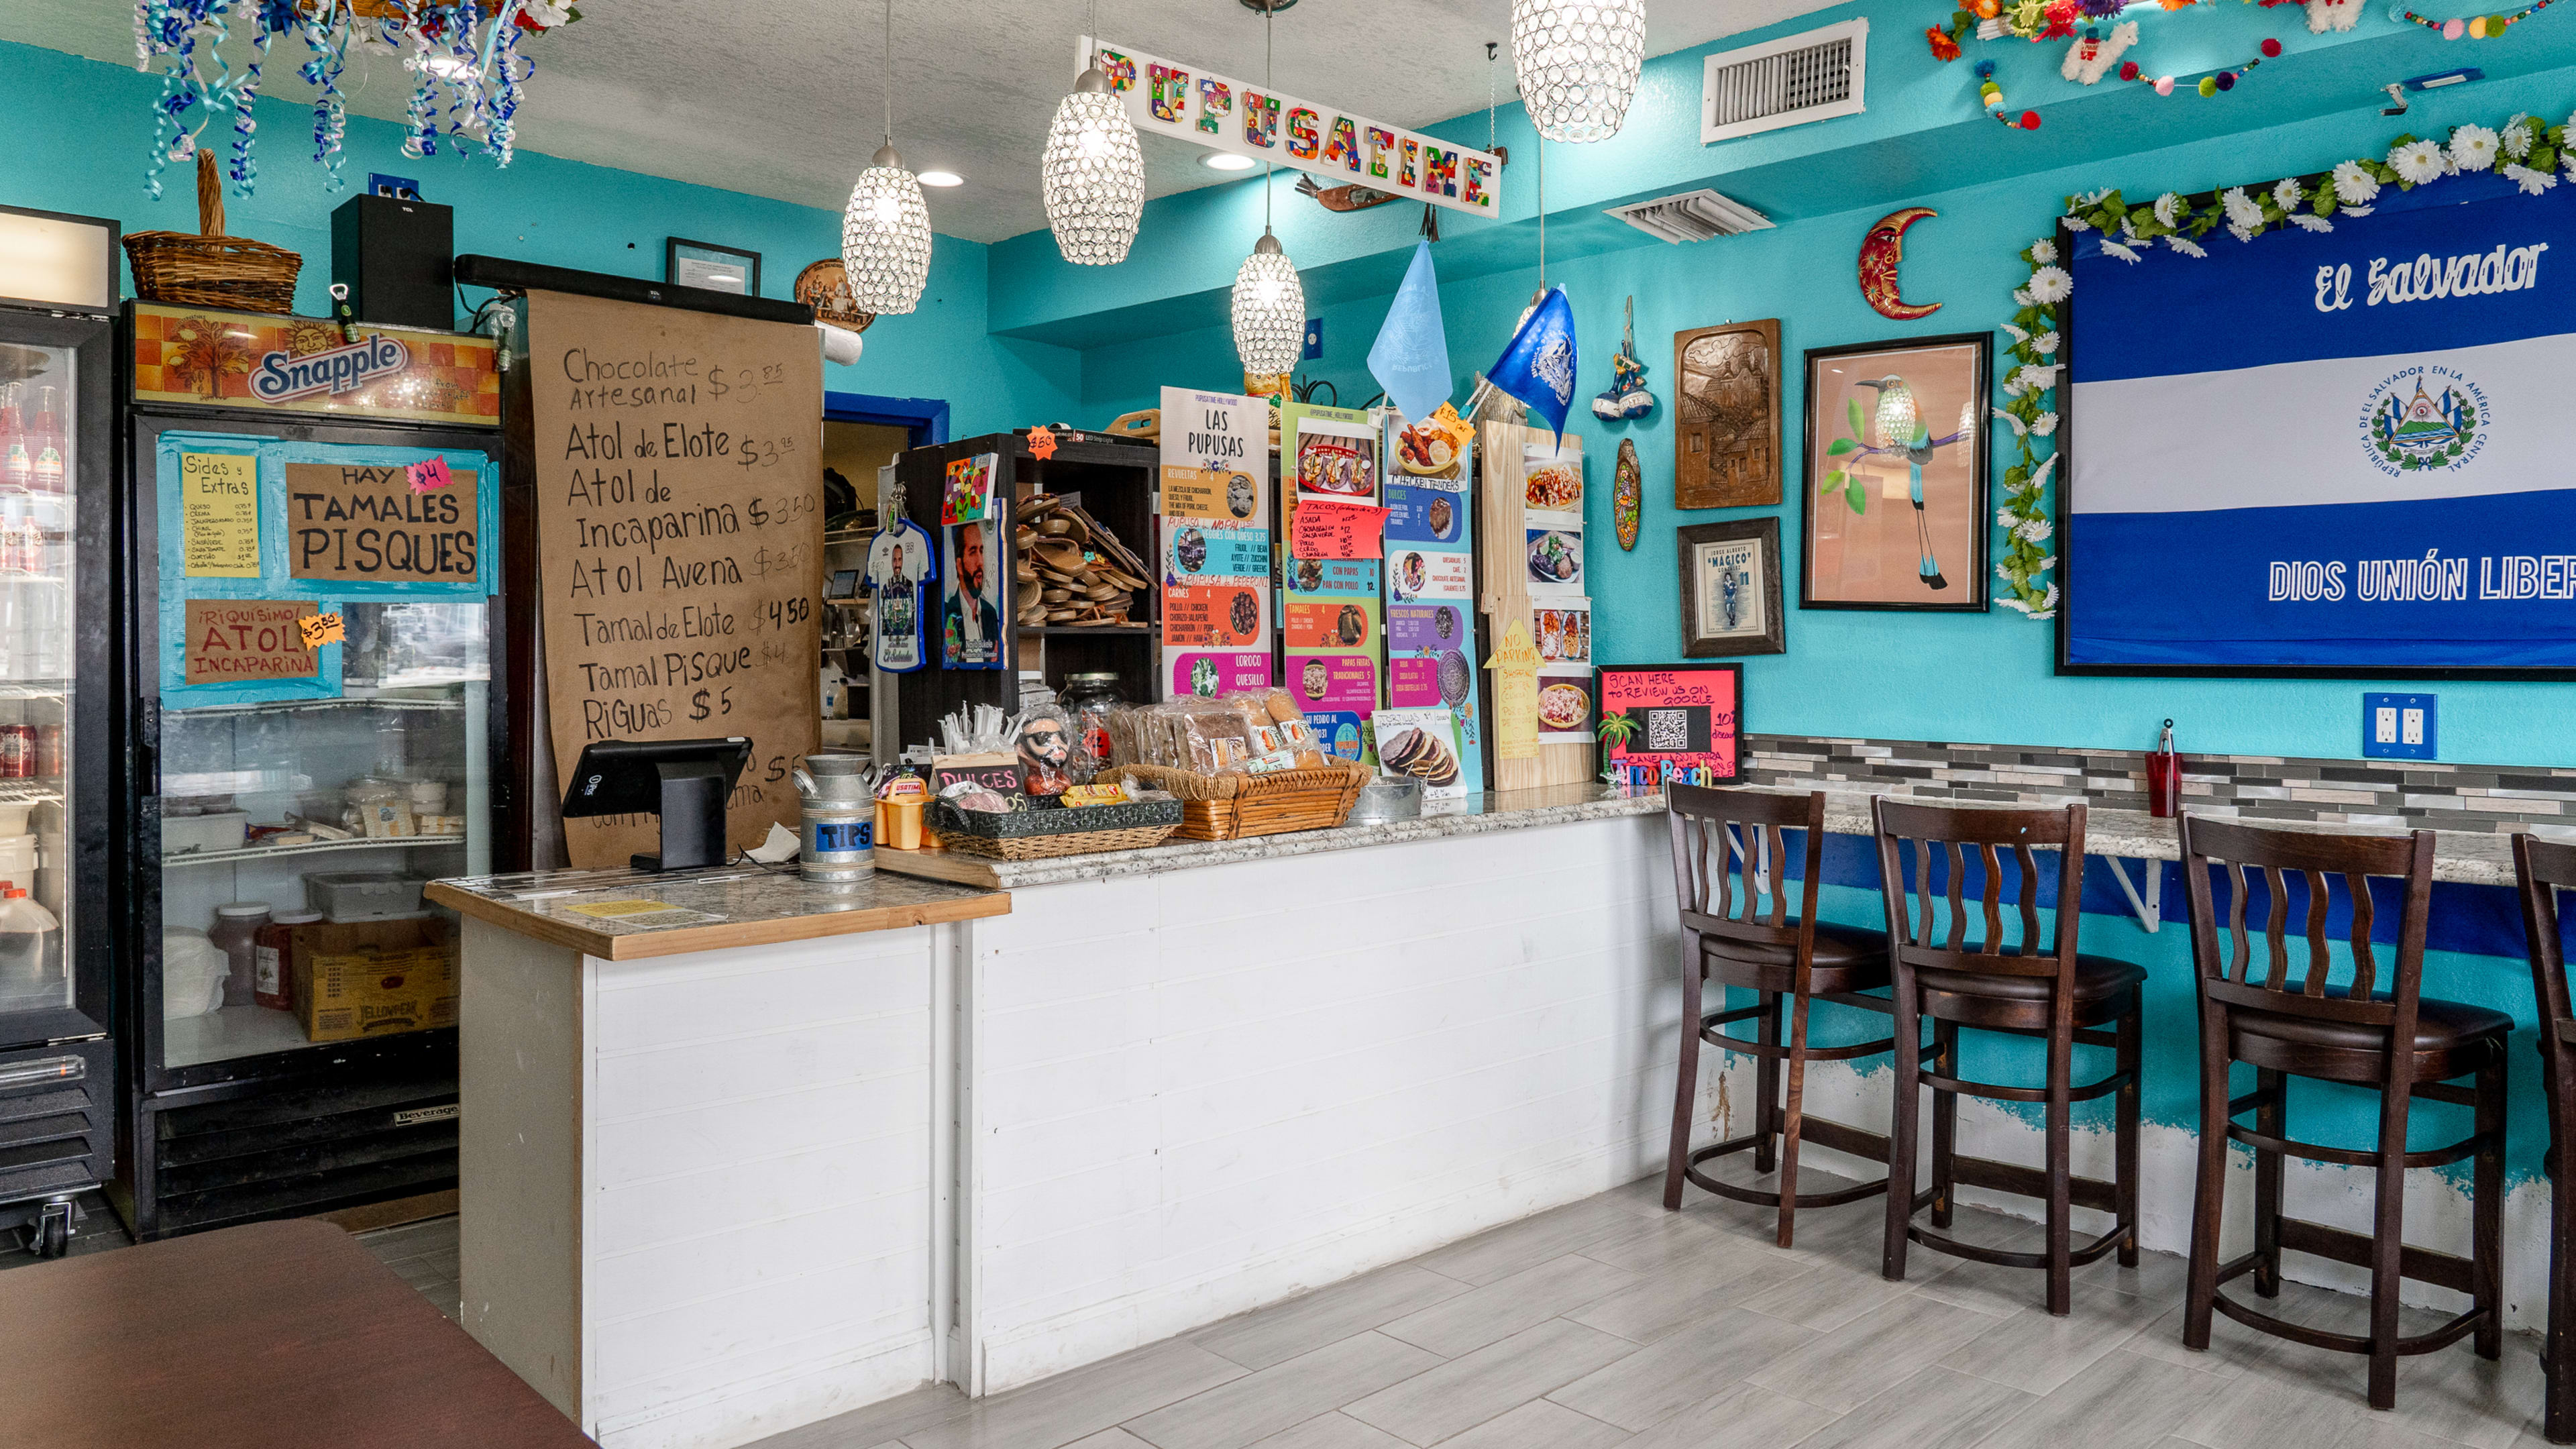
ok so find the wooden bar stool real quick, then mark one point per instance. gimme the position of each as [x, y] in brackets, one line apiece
[2303, 1024]
[2543, 869]
[2023, 986]
[1729, 938]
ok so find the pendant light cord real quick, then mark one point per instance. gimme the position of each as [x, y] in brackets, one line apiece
[1542, 215]
[1269, 12]
[889, 72]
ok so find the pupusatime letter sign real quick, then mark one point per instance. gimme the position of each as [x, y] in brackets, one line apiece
[1337, 147]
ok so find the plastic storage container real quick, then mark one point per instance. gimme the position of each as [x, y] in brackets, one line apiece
[361, 896]
[221, 830]
[192, 973]
[236, 930]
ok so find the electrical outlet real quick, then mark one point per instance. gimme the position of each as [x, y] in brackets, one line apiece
[2398, 727]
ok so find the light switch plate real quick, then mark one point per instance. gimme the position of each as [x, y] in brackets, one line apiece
[2399, 727]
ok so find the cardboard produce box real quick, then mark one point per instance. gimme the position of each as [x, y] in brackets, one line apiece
[373, 978]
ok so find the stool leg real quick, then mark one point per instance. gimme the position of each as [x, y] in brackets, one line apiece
[2486, 1205]
[1686, 1087]
[2388, 1235]
[2061, 1174]
[1792, 1115]
[2124, 1170]
[1766, 1115]
[1945, 1123]
[2560, 1393]
[2273, 1119]
[1901, 1127]
[2209, 1183]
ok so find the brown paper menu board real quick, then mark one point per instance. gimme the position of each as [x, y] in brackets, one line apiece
[679, 485]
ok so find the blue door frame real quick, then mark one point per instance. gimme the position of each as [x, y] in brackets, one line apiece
[924, 418]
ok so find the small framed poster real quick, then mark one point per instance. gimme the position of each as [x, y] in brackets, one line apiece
[716, 268]
[1731, 589]
[1660, 723]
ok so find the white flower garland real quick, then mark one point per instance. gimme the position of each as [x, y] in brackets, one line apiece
[2524, 150]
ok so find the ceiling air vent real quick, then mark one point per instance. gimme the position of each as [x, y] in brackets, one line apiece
[1691, 216]
[1785, 82]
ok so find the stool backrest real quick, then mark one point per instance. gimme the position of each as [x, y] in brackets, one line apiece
[1985, 838]
[2264, 979]
[2543, 868]
[1729, 858]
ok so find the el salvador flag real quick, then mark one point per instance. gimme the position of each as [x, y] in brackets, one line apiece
[2345, 448]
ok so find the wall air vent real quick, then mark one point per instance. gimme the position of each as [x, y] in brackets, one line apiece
[1784, 82]
[1690, 216]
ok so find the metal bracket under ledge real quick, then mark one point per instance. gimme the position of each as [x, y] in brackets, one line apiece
[2149, 907]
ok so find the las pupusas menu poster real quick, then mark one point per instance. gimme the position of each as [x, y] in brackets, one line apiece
[1666, 722]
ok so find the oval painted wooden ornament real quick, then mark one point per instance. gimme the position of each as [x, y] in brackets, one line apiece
[1880, 252]
[1627, 493]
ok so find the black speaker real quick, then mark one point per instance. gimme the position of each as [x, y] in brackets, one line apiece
[398, 260]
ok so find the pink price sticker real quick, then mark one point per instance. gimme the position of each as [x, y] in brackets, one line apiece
[428, 475]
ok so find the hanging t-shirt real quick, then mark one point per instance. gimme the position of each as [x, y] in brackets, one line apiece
[899, 560]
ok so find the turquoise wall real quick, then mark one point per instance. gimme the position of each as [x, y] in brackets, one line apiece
[1941, 677]
[79, 132]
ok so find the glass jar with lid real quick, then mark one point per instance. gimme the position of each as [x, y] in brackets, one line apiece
[1088, 698]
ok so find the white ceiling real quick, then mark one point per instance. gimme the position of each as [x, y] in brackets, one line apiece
[782, 98]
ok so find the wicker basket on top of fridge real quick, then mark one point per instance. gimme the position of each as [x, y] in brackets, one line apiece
[1242, 765]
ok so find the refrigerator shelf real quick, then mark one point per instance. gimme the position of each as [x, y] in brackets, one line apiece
[351, 700]
[319, 847]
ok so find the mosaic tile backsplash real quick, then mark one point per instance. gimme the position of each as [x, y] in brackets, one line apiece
[2411, 793]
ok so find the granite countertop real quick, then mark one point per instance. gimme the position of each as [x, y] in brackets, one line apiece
[2465, 856]
[1473, 815]
[622, 915]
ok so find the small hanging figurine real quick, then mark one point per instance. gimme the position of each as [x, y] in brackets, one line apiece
[1627, 493]
[2093, 54]
[1627, 396]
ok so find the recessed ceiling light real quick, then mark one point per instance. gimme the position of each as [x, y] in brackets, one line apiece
[942, 178]
[1225, 161]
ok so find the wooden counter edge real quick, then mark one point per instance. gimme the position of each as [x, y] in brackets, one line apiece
[608, 946]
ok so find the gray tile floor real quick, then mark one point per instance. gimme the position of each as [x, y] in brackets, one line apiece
[424, 1254]
[1612, 1322]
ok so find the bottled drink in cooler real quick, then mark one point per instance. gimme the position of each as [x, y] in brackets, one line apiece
[17, 459]
[45, 440]
[28, 953]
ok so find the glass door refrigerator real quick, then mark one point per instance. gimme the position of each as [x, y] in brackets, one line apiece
[313, 571]
[57, 410]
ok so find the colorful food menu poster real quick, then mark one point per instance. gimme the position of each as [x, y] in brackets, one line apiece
[1431, 578]
[1675, 722]
[1215, 551]
[1333, 622]
[1422, 743]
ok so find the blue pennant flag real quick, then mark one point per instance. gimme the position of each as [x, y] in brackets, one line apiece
[1537, 365]
[1410, 358]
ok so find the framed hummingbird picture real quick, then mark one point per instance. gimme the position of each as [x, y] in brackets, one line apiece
[1731, 589]
[1895, 486]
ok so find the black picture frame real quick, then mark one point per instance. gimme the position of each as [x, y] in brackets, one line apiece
[1773, 637]
[1976, 574]
[671, 259]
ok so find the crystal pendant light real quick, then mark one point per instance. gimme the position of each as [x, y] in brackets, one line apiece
[885, 233]
[1269, 301]
[1577, 63]
[1269, 310]
[1094, 171]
